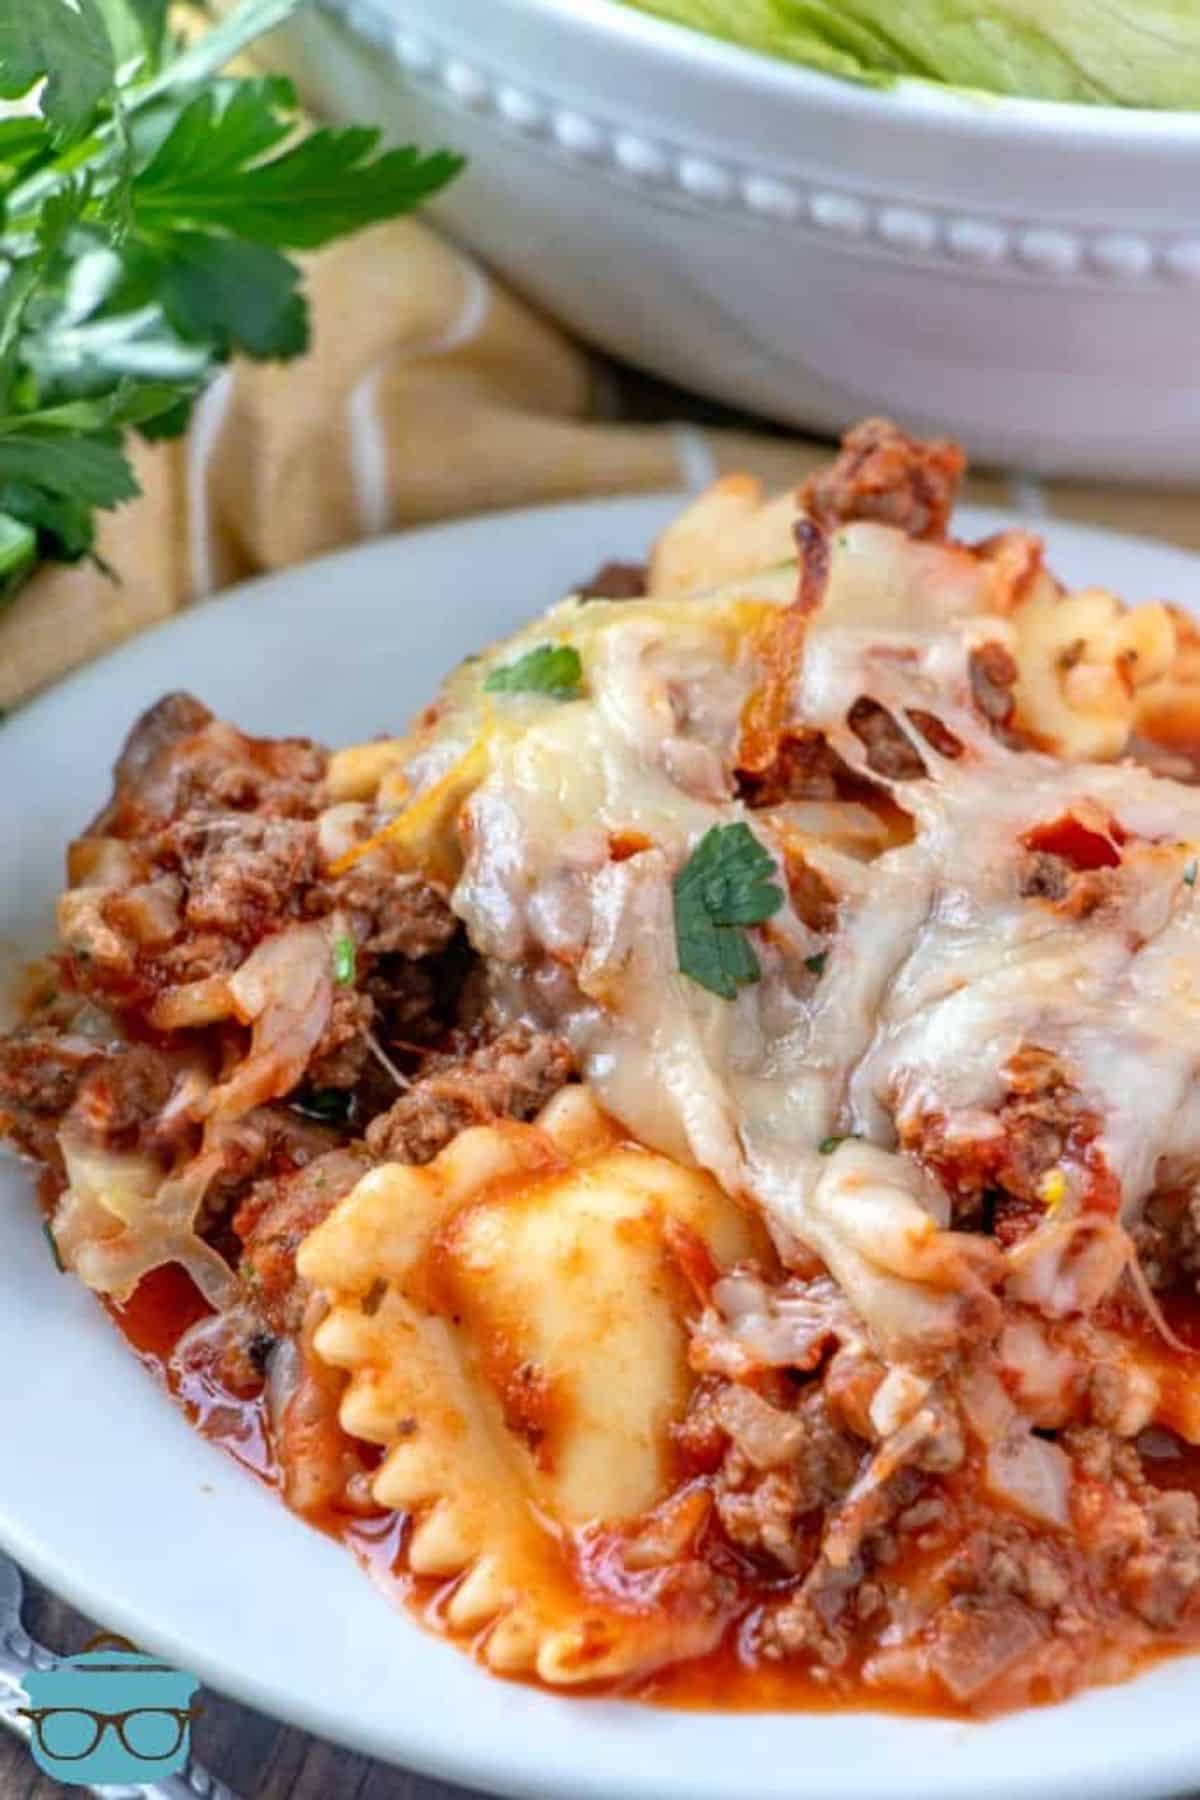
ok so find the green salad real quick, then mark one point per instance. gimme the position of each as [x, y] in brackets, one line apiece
[1106, 52]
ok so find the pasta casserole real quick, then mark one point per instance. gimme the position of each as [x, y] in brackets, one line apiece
[688, 1160]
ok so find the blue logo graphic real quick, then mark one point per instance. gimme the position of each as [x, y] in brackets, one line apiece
[110, 1715]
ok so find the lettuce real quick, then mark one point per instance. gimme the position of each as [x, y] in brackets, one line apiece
[1114, 52]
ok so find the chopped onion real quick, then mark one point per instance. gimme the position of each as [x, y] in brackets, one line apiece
[200, 1002]
[986, 1405]
[284, 990]
[1068, 1265]
[284, 1367]
[1031, 1475]
[896, 1399]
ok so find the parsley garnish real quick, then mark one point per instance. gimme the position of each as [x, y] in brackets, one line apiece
[332, 1105]
[147, 206]
[55, 1252]
[345, 960]
[816, 964]
[828, 1145]
[1189, 875]
[724, 885]
[553, 669]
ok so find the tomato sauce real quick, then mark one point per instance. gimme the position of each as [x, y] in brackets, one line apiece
[166, 1304]
[728, 1678]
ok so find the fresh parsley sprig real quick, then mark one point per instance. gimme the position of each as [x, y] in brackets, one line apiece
[724, 886]
[552, 669]
[147, 205]
[345, 960]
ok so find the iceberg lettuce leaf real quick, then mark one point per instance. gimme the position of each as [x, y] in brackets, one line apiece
[1117, 52]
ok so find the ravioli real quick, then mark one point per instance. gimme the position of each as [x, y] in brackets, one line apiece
[512, 1319]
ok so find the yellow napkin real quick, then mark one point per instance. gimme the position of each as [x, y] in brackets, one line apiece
[430, 392]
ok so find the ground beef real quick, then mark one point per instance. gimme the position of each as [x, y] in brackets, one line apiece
[805, 767]
[510, 1076]
[1007, 1559]
[820, 1618]
[165, 724]
[883, 474]
[210, 844]
[393, 912]
[41, 1069]
[1044, 876]
[340, 1059]
[938, 736]
[995, 1180]
[178, 758]
[780, 1466]
[1074, 893]
[1148, 1539]
[120, 1098]
[275, 1218]
[889, 751]
[414, 1000]
[1167, 1236]
[266, 1143]
[993, 673]
[946, 1598]
[1044, 1118]
[615, 581]
[241, 871]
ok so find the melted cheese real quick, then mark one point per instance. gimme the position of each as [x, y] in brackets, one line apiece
[940, 967]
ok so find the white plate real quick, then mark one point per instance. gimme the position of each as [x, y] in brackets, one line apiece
[107, 1494]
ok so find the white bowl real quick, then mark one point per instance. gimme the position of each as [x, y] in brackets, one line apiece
[1022, 274]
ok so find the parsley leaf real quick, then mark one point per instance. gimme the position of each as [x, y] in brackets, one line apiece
[66, 42]
[69, 524]
[553, 669]
[1189, 875]
[345, 960]
[724, 885]
[22, 139]
[816, 964]
[18, 548]
[209, 172]
[335, 1106]
[147, 200]
[92, 470]
[136, 28]
[59, 464]
[209, 140]
[236, 296]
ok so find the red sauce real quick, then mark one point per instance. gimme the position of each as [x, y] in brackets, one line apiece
[729, 1678]
[164, 1305]
[167, 1303]
[1077, 844]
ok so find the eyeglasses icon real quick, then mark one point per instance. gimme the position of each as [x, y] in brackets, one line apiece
[110, 1715]
[149, 1733]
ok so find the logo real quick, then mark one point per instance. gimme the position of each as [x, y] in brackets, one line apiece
[110, 1714]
